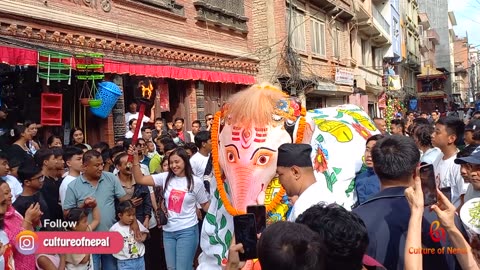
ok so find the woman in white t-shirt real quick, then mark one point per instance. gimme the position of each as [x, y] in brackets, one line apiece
[182, 192]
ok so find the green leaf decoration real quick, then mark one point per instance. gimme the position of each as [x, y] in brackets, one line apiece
[219, 204]
[211, 219]
[212, 239]
[320, 138]
[350, 188]
[223, 222]
[339, 115]
[216, 194]
[320, 116]
[228, 238]
[337, 170]
[219, 260]
[227, 189]
[331, 180]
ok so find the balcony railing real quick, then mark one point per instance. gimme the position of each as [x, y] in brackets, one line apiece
[381, 20]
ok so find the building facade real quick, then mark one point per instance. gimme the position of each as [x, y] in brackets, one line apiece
[200, 52]
[371, 40]
[461, 86]
[309, 48]
[411, 56]
[441, 22]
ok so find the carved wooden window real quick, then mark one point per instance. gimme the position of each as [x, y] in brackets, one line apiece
[169, 5]
[224, 13]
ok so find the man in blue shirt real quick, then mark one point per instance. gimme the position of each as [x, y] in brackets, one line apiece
[386, 214]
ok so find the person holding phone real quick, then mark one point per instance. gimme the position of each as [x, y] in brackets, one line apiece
[139, 195]
[182, 192]
[395, 160]
[445, 211]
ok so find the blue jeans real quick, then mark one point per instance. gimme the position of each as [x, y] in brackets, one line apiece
[104, 262]
[180, 247]
[131, 264]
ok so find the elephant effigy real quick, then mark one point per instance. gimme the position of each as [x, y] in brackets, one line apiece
[246, 135]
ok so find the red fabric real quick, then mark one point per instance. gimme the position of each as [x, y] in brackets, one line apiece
[20, 57]
[177, 73]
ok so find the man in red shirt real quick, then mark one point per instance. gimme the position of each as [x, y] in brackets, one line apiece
[179, 123]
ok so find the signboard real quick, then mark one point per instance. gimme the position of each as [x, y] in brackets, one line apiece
[394, 82]
[344, 76]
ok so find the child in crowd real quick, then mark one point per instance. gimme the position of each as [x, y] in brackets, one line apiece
[131, 256]
[49, 261]
[80, 216]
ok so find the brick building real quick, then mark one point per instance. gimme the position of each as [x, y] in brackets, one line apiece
[200, 51]
[306, 48]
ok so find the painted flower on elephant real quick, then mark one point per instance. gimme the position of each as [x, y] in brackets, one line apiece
[361, 130]
[295, 107]
[320, 163]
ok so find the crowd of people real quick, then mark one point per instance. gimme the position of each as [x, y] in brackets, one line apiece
[128, 188]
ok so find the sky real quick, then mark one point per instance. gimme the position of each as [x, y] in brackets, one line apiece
[466, 13]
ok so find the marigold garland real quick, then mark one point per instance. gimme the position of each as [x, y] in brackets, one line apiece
[218, 174]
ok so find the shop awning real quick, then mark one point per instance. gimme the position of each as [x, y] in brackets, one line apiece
[177, 73]
[20, 57]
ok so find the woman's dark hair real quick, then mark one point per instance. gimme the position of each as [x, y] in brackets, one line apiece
[130, 123]
[52, 138]
[165, 159]
[188, 168]
[72, 131]
[17, 132]
[124, 207]
[81, 146]
[423, 134]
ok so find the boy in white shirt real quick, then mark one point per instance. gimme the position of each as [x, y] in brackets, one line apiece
[73, 159]
[447, 135]
[131, 256]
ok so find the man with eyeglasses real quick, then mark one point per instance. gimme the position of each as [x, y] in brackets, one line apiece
[208, 121]
[31, 177]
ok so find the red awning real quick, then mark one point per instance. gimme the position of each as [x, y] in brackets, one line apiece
[18, 57]
[21, 57]
[177, 73]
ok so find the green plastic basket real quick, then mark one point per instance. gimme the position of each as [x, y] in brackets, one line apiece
[54, 76]
[90, 77]
[52, 54]
[92, 55]
[95, 103]
[54, 65]
[89, 66]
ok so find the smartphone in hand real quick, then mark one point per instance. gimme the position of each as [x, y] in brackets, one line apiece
[260, 213]
[429, 185]
[246, 233]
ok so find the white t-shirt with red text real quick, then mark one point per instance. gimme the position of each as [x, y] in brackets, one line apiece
[181, 203]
